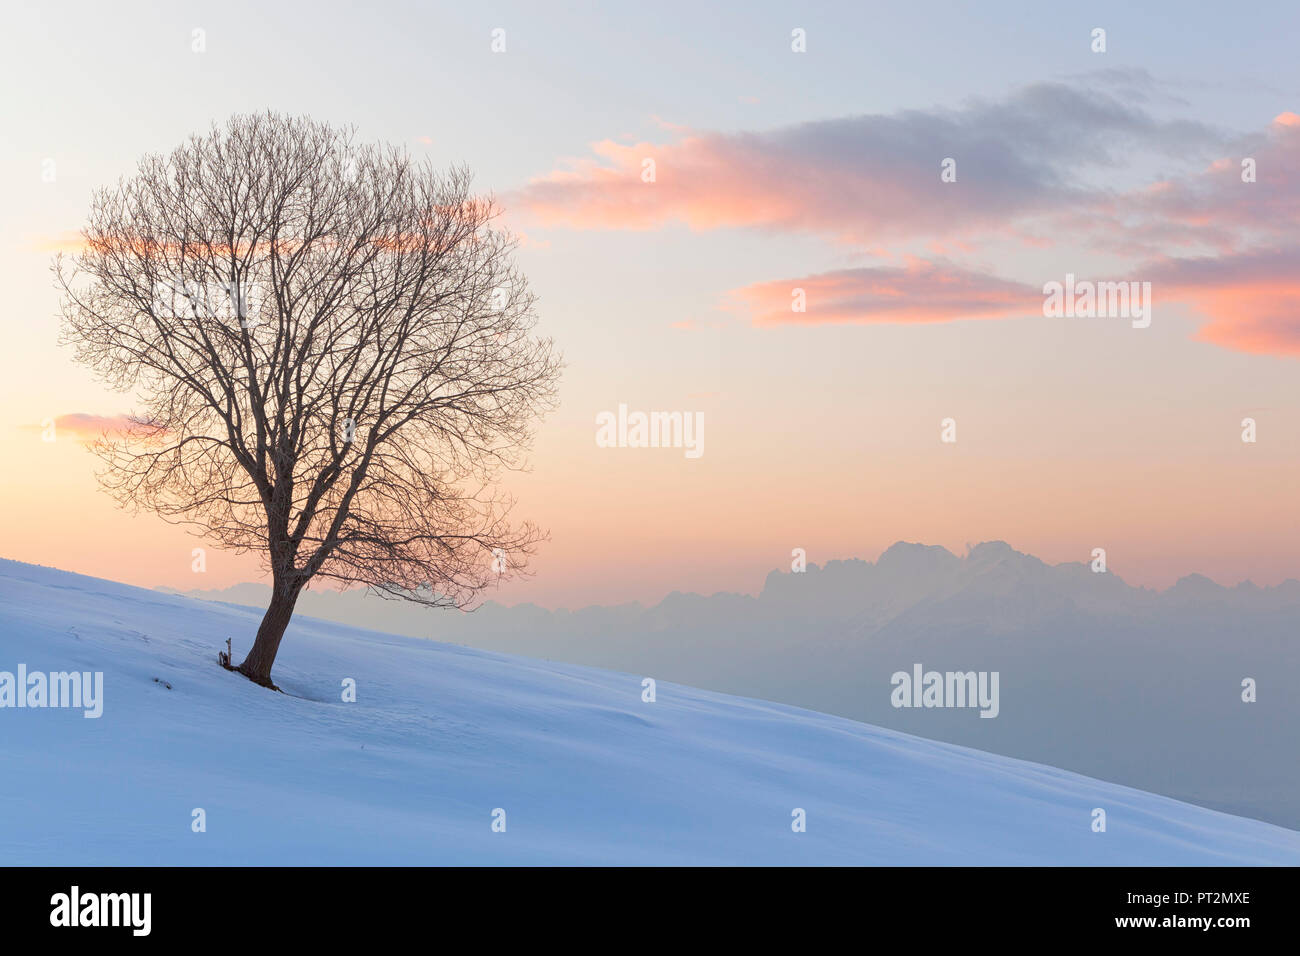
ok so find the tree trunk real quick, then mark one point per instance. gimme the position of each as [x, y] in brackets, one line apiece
[257, 665]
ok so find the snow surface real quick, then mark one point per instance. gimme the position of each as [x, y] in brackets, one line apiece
[441, 735]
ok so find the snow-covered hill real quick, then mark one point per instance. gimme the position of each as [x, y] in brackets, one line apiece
[1138, 687]
[441, 736]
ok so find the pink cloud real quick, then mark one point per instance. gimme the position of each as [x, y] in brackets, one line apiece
[93, 427]
[1220, 207]
[920, 291]
[1251, 300]
[874, 180]
[863, 179]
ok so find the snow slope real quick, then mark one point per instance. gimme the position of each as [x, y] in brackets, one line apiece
[440, 736]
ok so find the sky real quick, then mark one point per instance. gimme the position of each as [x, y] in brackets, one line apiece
[774, 170]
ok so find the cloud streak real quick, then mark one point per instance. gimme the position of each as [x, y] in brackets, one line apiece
[88, 427]
[920, 291]
[868, 178]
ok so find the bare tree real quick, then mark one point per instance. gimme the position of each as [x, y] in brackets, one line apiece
[334, 352]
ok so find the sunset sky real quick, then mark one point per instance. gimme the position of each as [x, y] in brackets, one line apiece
[774, 170]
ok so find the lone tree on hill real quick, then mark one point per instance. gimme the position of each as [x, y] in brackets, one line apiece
[334, 354]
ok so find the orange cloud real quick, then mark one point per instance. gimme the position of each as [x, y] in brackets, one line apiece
[71, 242]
